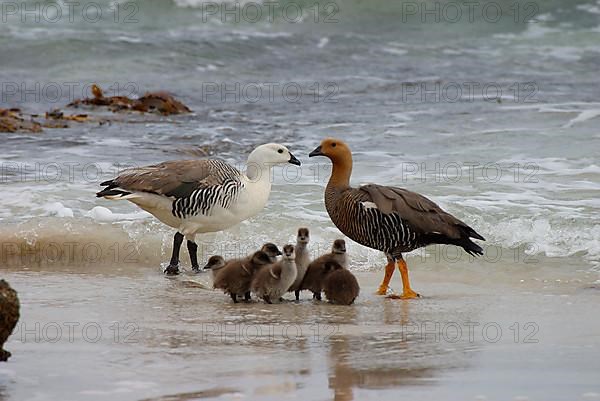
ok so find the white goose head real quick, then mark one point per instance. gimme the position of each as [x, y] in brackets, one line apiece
[270, 154]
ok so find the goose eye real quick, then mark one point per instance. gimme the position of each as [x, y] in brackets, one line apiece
[280, 151]
[333, 145]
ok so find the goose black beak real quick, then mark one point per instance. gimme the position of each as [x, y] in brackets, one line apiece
[278, 253]
[207, 267]
[316, 152]
[293, 160]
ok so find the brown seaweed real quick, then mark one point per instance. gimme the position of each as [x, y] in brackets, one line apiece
[151, 102]
[13, 120]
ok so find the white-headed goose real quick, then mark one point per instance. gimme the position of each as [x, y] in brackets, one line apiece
[199, 196]
[390, 219]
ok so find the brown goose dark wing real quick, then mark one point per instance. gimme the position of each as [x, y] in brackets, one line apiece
[174, 178]
[423, 215]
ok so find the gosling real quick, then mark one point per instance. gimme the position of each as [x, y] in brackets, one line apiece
[236, 277]
[273, 281]
[340, 286]
[271, 249]
[302, 259]
[316, 272]
[215, 264]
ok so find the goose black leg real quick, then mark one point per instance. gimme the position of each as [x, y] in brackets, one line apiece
[173, 267]
[247, 296]
[297, 292]
[234, 297]
[317, 295]
[193, 251]
[267, 299]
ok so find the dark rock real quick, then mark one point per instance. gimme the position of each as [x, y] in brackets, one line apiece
[9, 315]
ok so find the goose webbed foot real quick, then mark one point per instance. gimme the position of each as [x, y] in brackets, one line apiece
[172, 270]
[409, 294]
[389, 272]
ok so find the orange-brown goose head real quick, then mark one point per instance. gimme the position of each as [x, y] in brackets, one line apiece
[340, 155]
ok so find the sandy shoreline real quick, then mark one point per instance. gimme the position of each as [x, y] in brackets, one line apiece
[148, 337]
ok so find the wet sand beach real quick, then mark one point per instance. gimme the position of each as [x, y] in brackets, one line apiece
[141, 336]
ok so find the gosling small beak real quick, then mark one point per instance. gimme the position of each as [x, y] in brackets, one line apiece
[316, 152]
[293, 160]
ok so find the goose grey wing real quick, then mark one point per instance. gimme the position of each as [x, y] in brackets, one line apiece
[178, 179]
[423, 215]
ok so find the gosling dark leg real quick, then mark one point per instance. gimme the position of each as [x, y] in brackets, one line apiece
[297, 292]
[173, 267]
[234, 297]
[193, 251]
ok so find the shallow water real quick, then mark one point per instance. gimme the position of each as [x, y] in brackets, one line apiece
[137, 335]
[420, 105]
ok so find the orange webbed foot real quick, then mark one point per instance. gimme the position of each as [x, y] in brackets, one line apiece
[410, 294]
[381, 290]
[389, 272]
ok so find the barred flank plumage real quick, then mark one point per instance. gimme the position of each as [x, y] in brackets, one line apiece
[201, 201]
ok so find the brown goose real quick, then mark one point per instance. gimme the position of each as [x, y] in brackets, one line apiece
[390, 219]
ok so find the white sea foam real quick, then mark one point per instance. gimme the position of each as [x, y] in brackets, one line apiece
[102, 214]
[583, 116]
[58, 209]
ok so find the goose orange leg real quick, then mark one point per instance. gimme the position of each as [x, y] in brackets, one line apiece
[407, 292]
[389, 272]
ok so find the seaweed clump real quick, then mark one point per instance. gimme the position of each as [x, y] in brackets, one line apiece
[151, 102]
[13, 120]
